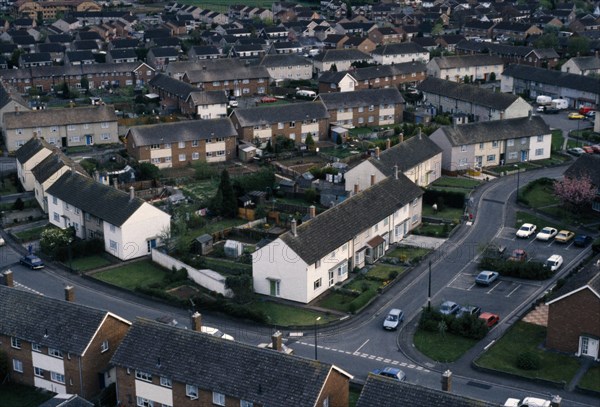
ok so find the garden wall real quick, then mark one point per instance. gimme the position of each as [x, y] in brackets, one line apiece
[209, 279]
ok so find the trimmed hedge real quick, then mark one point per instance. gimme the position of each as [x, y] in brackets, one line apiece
[468, 326]
[453, 199]
[532, 270]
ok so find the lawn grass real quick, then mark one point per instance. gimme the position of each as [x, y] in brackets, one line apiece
[433, 230]
[557, 139]
[227, 266]
[130, 276]
[524, 217]
[336, 301]
[202, 191]
[382, 271]
[591, 379]
[442, 348]
[447, 213]
[286, 315]
[90, 262]
[539, 195]
[30, 234]
[526, 337]
[408, 253]
[456, 182]
[7, 187]
[18, 395]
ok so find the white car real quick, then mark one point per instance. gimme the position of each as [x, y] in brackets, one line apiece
[2, 242]
[393, 319]
[554, 262]
[546, 233]
[526, 230]
[527, 401]
[215, 332]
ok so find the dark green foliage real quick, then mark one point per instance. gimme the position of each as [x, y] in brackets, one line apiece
[310, 195]
[450, 198]
[528, 361]
[176, 275]
[241, 285]
[3, 364]
[596, 246]
[258, 181]
[492, 76]
[392, 274]
[321, 172]
[310, 142]
[89, 165]
[468, 326]
[204, 171]
[149, 171]
[18, 205]
[224, 202]
[80, 248]
[532, 270]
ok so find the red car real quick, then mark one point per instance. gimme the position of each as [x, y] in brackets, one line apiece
[268, 99]
[588, 149]
[596, 148]
[585, 109]
[489, 318]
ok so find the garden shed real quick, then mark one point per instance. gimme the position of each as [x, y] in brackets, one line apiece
[203, 244]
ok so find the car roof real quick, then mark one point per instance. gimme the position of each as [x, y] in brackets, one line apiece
[485, 315]
[487, 272]
[527, 225]
[389, 369]
[395, 311]
[555, 257]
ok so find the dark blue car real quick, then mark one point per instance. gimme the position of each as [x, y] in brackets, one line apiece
[32, 261]
[582, 240]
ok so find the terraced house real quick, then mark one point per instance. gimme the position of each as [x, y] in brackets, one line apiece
[68, 127]
[235, 81]
[179, 144]
[361, 108]
[57, 345]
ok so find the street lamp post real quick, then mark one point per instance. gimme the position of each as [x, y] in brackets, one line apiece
[518, 181]
[70, 255]
[316, 321]
[429, 289]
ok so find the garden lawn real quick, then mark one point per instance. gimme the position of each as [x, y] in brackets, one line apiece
[408, 253]
[7, 187]
[285, 315]
[442, 348]
[433, 230]
[18, 395]
[539, 195]
[448, 213]
[525, 337]
[227, 266]
[524, 217]
[130, 276]
[202, 191]
[30, 234]
[382, 271]
[591, 379]
[557, 140]
[455, 182]
[89, 262]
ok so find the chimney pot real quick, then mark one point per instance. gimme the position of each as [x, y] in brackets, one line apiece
[294, 231]
[70, 293]
[276, 341]
[372, 179]
[131, 193]
[9, 278]
[447, 381]
[356, 189]
[312, 211]
[197, 322]
[395, 171]
[388, 144]
[377, 152]
[401, 137]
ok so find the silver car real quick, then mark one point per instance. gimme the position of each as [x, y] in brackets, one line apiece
[393, 319]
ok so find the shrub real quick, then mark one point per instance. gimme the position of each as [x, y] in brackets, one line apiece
[452, 199]
[532, 270]
[528, 361]
[392, 274]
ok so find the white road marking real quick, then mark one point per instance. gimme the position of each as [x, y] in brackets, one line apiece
[24, 287]
[511, 293]
[361, 346]
[493, 288]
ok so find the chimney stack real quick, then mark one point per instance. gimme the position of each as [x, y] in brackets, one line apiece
[356, 189]
[16, 109]
[70, 293]
[555, 402]
[447, 381]
[294, 231]
[116, 183]
[388, 144]
[312, 211]
[419, 135]
[276, 341]
[372, 179]
[377, 152]
[9, 279]
[396, 171]
[131, 193]
[401, 137]
[197, 321]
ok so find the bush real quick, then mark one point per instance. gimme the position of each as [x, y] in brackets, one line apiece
[467, 326]
[532, 270]
[392, 274]
[528, 361]
[176, 275]
[452, 199]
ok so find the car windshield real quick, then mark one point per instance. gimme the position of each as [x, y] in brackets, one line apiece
[551, 263]
[35, 261]
[446, 307]
[547, 230]
[392, 318]
[524, 228]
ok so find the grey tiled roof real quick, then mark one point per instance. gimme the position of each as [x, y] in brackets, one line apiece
[398, 49]
[333, 76]
[358, 98]
[557, 78]
[31, 148]
[471, 133]
[58, 71]
[333, 55]
[587, 276]
[104, 202]
[282, 113]
[465, 61]
[173, 86]
[588, 164]
[261, 376]
[59, 117]
[57, 324]
[407, 154]
[67, 400]
[332, 228]
[587, 63]
[50, 165]
[231, 73]
[383, 392]
[465, 92]
[379, 71]
[284, 60]
[36, 57]
[181, 131]
[7, 94]
[208, 98]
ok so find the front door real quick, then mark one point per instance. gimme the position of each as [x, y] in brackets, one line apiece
[331, 274]
[274, 288]
[478, 161]
[89, 140]
[523, 155]
[589, 347]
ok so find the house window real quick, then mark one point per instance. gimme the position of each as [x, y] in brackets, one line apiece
[244, 403]
[54, 129]
[195, 156]
[371, 108]
[191, 391]
[154, 146]
[105, 136]
[360, 109]
[38, 371]
[491, 157]
[495, 144]
[194, 143]
[386, 221]
[510, 142]
[361, 120]
[19, 131]
[57, 377]
[55, 352]
[75, 139]
[56, 217]
[104, 346]
[55, 200]
[318, 264]
[142, 402]
[181, 157]
[280, 125]
[167, 145]
[181, 144]
[512, 155]
[166, 382]
[342, 268]
[524, 140]
[292, 124]
[104, 125]
[86, 126]
[317, 284]
[36, 347]
[371, 119]
[112, 228]
[71, 127]
[539, 151]
[113, 245]
[275, 288]
[17, 365]
[147, 377]
[540, 138]
[15, 342]
[218, 398]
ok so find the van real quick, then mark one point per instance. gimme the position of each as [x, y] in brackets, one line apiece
[543, 100]
[306, 93]
[585, 109]
[560, 104]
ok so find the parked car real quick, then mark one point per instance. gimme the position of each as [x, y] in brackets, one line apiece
[564, 236]
[582, 240]
[268, 99]
[554, 262]
[526, 230]
[518, 255]
[596, 148]
[486, 277]
[551, 110]
[540, 109]
[546, 233]
[2, 242]
[576, 151]
[391, 373]
[527, 402]
[575, 116]
[590, 115]
[32, 261]
[468, 310]
[449, 308]
[489, 318]
[588, 149]
[233, 103]
[585, 109]
[393, 319]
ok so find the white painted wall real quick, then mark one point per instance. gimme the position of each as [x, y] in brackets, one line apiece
[24, 169]
[158, 394]
[361, 175]
[545, 145]
[146, 223]
[212, 111]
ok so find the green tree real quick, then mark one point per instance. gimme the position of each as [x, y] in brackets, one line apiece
[310, 142]
[85, 83]
[53, 239]
[578, 46]
[149, 171]
[548, 40]
[333, 68]
[14, 58]
[310, 195]
[64, 88]
[18, 205]
[226, 195]
[437, 29]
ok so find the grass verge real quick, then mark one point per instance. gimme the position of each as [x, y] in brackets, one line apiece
[89, 262]
[526, 337]
[591, 379]
[442, 347]
[408, 253]
[455, 182]
[285, 315]
[30, 234]
[129, 276]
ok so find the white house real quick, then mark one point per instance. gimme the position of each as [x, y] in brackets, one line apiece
[341, 58]
[129, 226]
[308, 260]
[397, 53]
[492, 143]
[475, 67]
[33, 152]
[582, 65]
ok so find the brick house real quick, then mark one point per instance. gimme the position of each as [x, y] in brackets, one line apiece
[179, 144]
[173, 93]
[574, 312]
[292, 121]
[384, 76]
[157, 363]
[386, 35]
[57, 345]
[361, 108]
[236, 80]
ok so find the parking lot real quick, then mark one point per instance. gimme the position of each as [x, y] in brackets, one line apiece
[507, 293]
